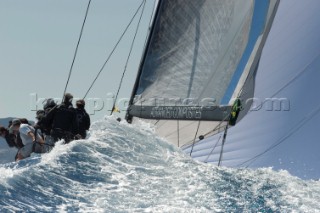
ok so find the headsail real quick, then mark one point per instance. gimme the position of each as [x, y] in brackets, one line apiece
[201, 56]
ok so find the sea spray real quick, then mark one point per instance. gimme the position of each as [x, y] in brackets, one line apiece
[127, 168]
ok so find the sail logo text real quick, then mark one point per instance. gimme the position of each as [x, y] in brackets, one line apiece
[176, 112]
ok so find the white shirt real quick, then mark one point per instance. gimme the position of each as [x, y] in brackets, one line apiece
[24, 130]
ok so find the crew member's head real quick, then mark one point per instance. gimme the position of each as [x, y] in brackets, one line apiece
[67, 98]
[15, 124]
[80, 104]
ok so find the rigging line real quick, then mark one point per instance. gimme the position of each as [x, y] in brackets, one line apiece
[183, 127]
[114, 48]
[163, 123]
[294, 129]
[217, 128]
[194, 141]
[292, 80]
[302, 122]
[77, 47]
[250, 76]
[148, 34]
[131, 48]
[222, 145]
[178, 132]
[206, 161]
[188, 125]
[150, 23]
[282, 88]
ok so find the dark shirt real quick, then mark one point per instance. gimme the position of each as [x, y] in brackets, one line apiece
[14, 140]
[63, 117]
[41, 124]
[83, 119]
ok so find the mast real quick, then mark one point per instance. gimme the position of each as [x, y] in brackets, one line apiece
[128, 117]
[200, 57]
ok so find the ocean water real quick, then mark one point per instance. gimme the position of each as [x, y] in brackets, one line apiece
[126, 168]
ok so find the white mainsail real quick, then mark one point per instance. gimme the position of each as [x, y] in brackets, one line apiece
[200, 56]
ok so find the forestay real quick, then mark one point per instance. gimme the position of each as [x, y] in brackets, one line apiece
[201, 56]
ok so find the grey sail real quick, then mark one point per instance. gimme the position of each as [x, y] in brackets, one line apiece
[201, 56]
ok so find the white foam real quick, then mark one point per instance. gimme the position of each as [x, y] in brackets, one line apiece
[126, 168]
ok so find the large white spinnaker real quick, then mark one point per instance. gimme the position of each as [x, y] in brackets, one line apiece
[282, 129]
[201, 56]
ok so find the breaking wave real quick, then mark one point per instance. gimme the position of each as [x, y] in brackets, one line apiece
[127, 168]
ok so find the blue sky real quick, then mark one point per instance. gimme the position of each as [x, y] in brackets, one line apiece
[37, 42]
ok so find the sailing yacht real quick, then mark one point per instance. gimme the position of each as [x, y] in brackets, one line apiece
[210, 62]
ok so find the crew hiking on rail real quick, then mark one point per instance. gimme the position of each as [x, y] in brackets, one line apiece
[54, 123]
